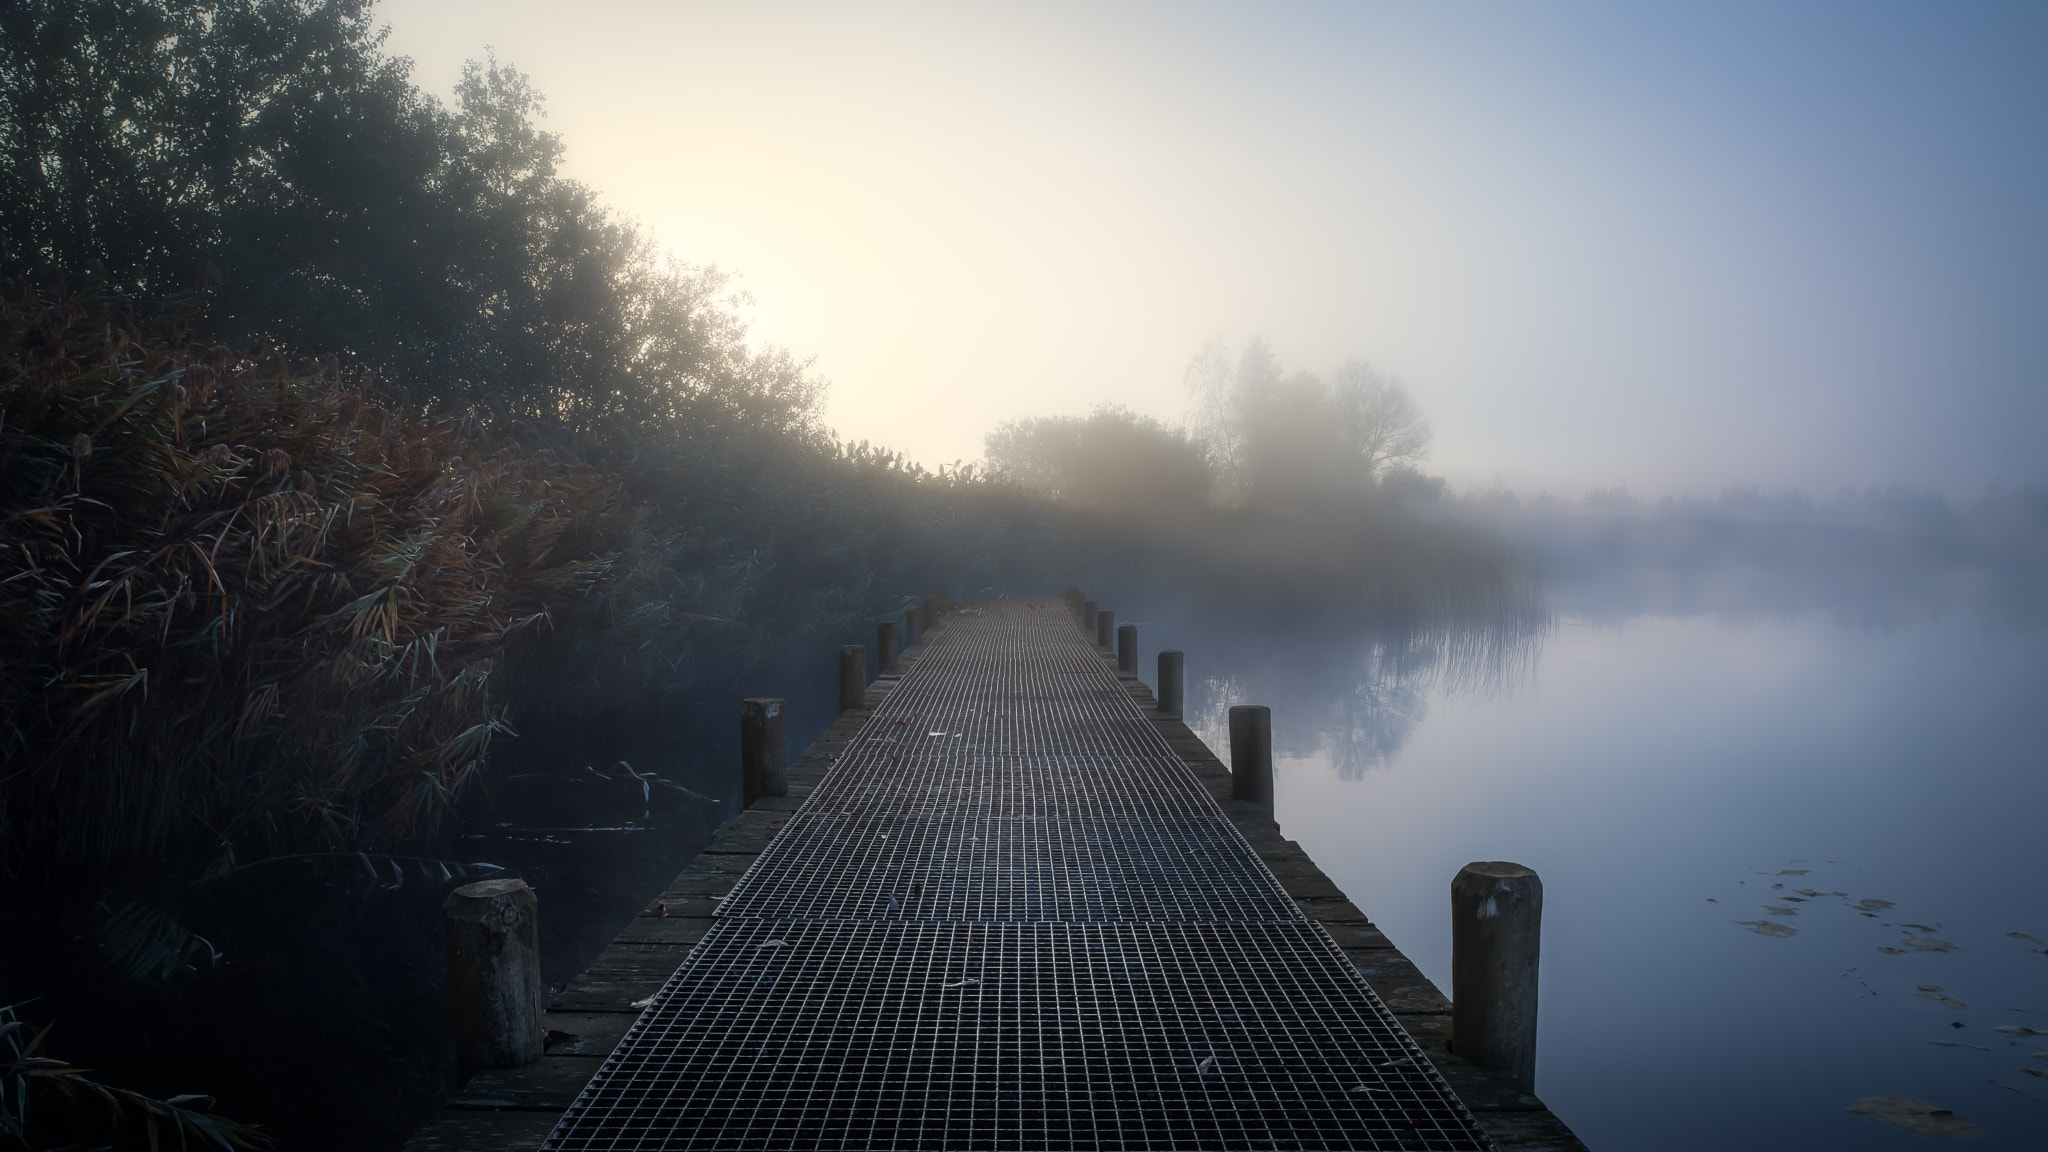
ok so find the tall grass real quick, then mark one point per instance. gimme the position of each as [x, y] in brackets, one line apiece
[258, 602]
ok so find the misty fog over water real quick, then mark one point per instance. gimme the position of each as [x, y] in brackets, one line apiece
[1784, 785]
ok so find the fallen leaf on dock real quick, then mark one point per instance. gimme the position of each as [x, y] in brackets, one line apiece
[1768, 928]
[1365, 1088]
[771, 944]
[641, 1003]
[1396, 1062]
[962, 984]
[1915, 1116]
[1207, 1063]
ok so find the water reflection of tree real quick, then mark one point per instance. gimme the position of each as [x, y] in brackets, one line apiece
[1356, 693]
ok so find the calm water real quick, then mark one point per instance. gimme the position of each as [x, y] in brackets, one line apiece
[1708, 799]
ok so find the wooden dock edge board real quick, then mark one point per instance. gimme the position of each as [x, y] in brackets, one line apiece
[514, 1109]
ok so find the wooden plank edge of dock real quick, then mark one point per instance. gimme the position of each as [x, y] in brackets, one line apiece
[514, 1109]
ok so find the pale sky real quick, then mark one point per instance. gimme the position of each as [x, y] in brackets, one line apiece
[1675, 247]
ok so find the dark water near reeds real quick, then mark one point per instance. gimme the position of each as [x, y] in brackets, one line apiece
[1793, 856]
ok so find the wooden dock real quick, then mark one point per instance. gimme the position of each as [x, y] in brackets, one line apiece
[1274, 913]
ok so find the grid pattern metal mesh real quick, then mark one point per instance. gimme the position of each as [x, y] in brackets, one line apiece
[1010, 918]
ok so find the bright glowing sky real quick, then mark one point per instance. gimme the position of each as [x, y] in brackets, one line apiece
[1672, 247]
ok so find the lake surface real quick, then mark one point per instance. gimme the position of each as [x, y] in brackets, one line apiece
[1790, 861]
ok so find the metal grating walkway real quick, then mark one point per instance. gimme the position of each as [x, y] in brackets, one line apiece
[1011, 918]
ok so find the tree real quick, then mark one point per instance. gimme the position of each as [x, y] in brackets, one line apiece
[1113, 458]
[1380, 421]
[269, 151]
[1292, 439]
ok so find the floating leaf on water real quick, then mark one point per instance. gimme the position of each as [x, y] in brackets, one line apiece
[1873, 904]
[1930, 944]
[1934, 992]
[1944, 1043]
[1768, 928]
[1779, 910]
[2041, 1055]
[2024, 936]
[2020, 1030]
[1794, 871]
[1915, 1116]
[2041, 1072]
[1921, 927]
[1808, 892]
[1891, 951]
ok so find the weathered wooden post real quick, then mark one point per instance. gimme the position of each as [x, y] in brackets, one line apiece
[1496, 927]
[1170, 669]
[909, 628]
[1127, 649]
[764, 756]
[1251, 753]
[853, 677]
[885, 646]
[1105, 628]
[494, 989]
[1088, 612]
[1072, 595]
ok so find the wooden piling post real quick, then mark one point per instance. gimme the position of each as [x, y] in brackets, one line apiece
[1088, 613]
[1105, 628]
[909, 628]
[1496, 928]
[764, 755]
[853, 677]
[1251, 753]
[1171, 665]
[885, 646]
[495, 995]
[1127, 649]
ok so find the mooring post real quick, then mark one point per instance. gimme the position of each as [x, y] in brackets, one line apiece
[1496, 927]
[1127, 649]
[1105, 628]
[909, 628]
[1251, 753]
[494, 987]
[1170, 668]
[764, 756]
[853, 676]
[885, 646]
[1088, 611]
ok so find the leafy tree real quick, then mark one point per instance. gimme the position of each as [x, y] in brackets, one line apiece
[272, 153]
[1295, 440]
[1113, 458]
